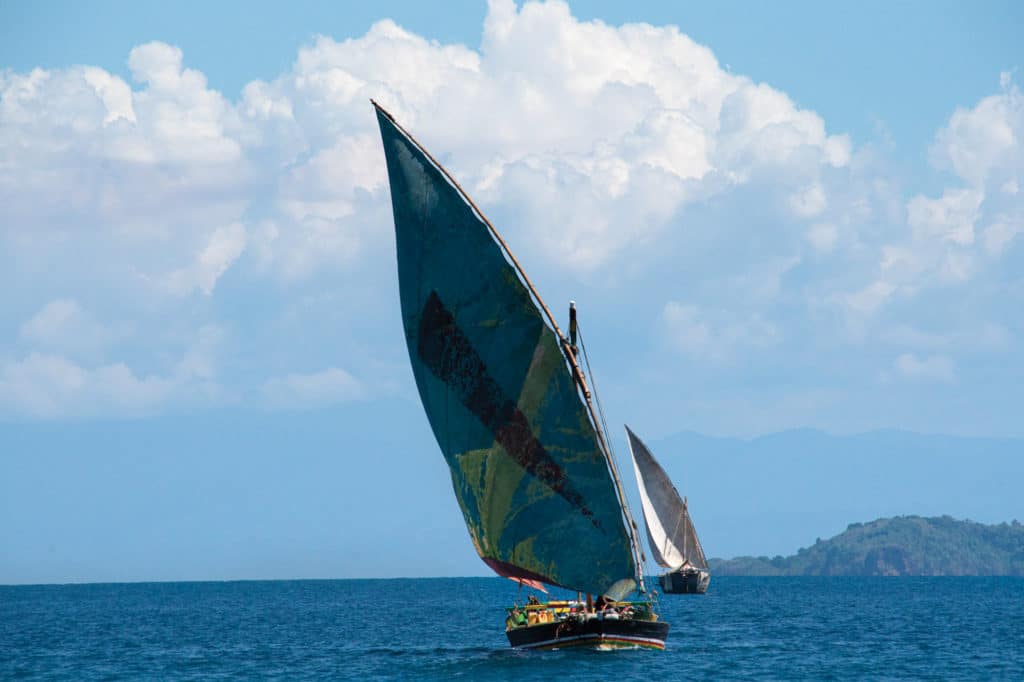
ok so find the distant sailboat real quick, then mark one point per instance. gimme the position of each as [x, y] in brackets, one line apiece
[670, 532]
[512, 414]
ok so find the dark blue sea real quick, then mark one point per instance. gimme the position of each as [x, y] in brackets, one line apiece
[774, 628]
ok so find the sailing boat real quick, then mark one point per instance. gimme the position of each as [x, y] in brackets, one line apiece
[670, 531]
[512, 414]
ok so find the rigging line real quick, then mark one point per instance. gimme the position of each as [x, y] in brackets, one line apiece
[674, 531]
[700, 548]
[638, 553]
[686, 528]
[593, 383]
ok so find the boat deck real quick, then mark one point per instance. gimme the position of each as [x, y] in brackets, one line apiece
[559, 624]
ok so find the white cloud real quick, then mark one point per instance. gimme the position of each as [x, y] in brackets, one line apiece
[106, 186]
[330, 386]
[930, 368]
[713, 336]
[870, 298]
[200, 358]
[823, 236]
[52, 385]
[63, 325]
[113, 92]
[225, 245]
[948, 219]
[937, 247]
[621, 155]
[48, 386]
[984, 337]
[665, 126]
[688, 331]
[809, 201]
[154, 170]
[941, 245]
[178, 118]
[983, 145]
[998, 236]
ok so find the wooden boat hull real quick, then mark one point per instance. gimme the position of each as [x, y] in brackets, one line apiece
[594, 633]
[689, 581]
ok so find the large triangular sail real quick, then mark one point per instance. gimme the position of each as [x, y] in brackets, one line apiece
[530, 472]
[670, 530]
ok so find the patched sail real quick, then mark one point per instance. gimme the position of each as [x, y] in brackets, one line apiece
[670, 531]
[526, 465]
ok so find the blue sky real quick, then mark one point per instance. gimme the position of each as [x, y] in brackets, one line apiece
[772, 217]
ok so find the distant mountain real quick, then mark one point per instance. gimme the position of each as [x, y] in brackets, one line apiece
[902, 545]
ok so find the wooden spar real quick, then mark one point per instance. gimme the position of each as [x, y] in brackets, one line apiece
[563, 342]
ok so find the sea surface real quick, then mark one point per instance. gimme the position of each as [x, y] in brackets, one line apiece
[452, 628]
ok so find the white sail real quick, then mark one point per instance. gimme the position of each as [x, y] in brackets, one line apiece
[670, 531]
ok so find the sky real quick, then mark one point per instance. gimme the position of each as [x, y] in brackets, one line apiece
[771, 217]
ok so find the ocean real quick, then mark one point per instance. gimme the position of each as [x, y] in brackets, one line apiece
[442, 628]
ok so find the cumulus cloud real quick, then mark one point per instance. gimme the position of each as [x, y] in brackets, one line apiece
[930, 368]
[224, 246]
[47, 384]
[622, 155]
[665, 126]
[64, 325]
[983, 144]
[963, 234]
[330, 386]
[950, 218]
[1000, 234]
[870, 298]
[583, 136]
[715, 335]
[988, 337]
[823, 236]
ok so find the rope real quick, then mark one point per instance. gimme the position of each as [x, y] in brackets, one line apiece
[638, 552]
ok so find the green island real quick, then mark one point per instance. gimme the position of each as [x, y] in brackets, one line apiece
[901, 545]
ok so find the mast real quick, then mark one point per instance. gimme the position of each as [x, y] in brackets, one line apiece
[686, 528]
[572, 327]
[564, 344]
